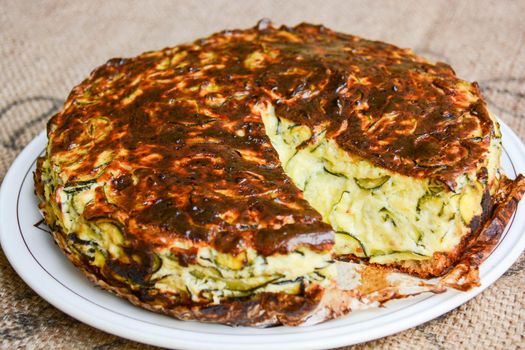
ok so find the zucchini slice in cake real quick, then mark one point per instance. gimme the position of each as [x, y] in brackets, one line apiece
[221, 180]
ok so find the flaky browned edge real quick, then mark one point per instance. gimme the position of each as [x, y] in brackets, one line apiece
[465, 274]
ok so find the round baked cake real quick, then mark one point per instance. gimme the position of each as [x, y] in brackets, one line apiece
[275, 176]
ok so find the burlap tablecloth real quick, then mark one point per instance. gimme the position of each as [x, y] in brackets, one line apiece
[48, 47]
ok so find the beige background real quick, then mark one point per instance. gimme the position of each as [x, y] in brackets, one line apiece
[48, 47]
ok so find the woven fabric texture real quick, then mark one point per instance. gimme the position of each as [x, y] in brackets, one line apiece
[48, 47]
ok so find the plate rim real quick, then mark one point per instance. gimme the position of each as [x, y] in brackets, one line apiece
[155, 338]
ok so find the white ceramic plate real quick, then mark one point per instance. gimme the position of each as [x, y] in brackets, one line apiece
[44, 268]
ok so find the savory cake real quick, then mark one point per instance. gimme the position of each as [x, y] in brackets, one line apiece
[223, 179]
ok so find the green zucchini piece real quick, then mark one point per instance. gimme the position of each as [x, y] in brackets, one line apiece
[298, 279]
[77, 186]
[470, 202]
[397, 256]
[318, 276]
[206, 273]
[316, 147]
[112, 237]
[435, 186]
[387, 215]
[346, 243]
[235, 293]
[111, 231]
[296, 134]
[249, 283]
[278, 126]
[334, 173]
[340, 199]
[99, 259]
[97, 128]
[289, 286]
[371, 183]
[244, 284]
[432, 204]
[232, 262]
[85, 247]
[156, 263]
[325, 188]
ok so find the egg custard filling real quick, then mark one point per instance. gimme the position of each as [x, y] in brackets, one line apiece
[376, 213]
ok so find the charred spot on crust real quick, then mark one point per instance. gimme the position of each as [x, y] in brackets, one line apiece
[288, 237]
